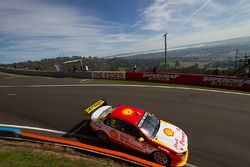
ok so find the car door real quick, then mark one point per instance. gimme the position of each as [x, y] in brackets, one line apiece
[134, 137]
[126, 135]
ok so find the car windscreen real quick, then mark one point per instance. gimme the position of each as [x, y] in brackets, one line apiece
[149, 125]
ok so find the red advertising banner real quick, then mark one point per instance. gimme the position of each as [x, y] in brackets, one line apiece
[192, 79]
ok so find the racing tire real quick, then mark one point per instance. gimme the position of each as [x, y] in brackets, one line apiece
[103, 136]
[161, 158]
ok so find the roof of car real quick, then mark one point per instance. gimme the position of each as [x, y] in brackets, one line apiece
[129, 114]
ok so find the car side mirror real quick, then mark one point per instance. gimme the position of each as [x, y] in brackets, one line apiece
[141, 139]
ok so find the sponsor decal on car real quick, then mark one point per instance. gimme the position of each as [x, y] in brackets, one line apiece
[180, 144]
[168, 132]
[124, 139]
[94, 106]
[127, 111]
[113, 134]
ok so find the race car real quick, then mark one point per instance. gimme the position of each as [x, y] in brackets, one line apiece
[139, 130]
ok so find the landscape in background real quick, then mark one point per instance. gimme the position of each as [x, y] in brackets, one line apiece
[228, 57]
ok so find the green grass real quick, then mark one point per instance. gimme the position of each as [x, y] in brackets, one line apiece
[28, 158]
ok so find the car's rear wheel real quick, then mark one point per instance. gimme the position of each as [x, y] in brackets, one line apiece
[102, 136]
[161, 158]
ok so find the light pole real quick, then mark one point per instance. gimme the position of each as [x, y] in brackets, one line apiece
[166, 51]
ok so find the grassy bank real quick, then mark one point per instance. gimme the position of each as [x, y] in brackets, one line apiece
[26, 154]
[23, 157]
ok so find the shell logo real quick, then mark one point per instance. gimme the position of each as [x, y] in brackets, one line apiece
[113, 134]
[168, 132]
[127, 111]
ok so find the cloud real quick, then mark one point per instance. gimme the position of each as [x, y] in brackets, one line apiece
[191, 22]
[35, 29]
[164, 14]
[182, 15]
[195, 12]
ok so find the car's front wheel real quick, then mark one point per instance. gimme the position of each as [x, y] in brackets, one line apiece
[102, 136]
[161, 158]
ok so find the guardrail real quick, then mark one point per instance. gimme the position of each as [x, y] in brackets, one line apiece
[226, 82]
[32, 72]
[81, 74]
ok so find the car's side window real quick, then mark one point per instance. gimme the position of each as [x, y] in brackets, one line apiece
[107, 121]
[133, 131]
[123, 126]
[129, 129]
[113, 123]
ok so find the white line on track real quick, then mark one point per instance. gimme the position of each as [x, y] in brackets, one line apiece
[6, 86]
[9, 77]
[6, 74]
[84, 80]
[11, 94]
[190, 165]
[12, 76]
[33, 128]
[48, 130]
[139, 86]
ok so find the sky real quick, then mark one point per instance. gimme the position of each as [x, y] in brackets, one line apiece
[38, 29]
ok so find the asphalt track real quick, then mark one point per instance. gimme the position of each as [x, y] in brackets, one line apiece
[216, 123]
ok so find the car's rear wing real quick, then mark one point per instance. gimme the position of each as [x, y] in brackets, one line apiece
[91, 109]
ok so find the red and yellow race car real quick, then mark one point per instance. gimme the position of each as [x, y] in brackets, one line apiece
[139, 130]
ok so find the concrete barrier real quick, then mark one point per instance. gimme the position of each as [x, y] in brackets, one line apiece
[32, 72]
[82, 74]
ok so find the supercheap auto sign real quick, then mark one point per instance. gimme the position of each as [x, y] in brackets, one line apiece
[192, 79]
[160, 77]
[227, 82]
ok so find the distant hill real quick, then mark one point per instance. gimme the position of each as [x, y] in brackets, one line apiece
[225, 48]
